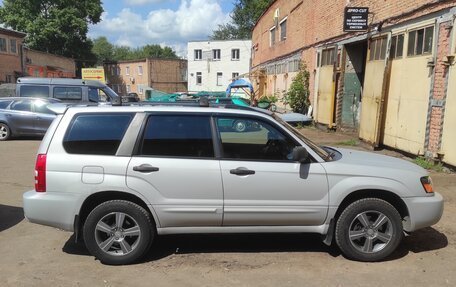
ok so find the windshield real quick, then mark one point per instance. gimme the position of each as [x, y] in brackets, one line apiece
[317, 149]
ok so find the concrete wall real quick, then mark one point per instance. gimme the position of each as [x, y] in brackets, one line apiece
[209, 67]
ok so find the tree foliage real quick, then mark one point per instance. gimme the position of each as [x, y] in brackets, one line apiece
[298, 93]
[54, 26]
[106, 51]
[243, 18]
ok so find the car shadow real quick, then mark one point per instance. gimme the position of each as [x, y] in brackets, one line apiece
[10, 216]
[427, 239]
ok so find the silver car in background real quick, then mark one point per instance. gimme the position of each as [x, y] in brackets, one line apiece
[25, 117]
[120, 176]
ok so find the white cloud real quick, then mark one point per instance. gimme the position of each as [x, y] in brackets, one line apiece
[142, 2]
[193, 20]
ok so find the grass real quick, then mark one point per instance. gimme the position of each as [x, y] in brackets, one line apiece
[424, 163]
[351, 142]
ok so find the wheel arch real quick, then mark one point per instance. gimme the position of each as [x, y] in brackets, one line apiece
[97, 198]
[385, 195]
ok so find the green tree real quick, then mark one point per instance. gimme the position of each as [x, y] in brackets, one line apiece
[103, 50]
[244, 17]
[54, 26]
[298, 93]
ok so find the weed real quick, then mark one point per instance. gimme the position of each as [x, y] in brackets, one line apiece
[426, 164]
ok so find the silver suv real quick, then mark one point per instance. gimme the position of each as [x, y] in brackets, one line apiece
[120, 176]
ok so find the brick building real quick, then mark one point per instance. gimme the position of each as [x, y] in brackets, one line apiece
[394, 83]
[11, 55]
[167, 75]
[45, 65]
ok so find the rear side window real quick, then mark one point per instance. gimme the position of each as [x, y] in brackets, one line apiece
[4, 104]
[34, 91]
[98, 134]
[22, 105]
[179, 136]
[68, 93]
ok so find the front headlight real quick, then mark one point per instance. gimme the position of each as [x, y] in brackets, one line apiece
[426, 181]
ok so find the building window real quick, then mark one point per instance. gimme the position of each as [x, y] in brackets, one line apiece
[128, 88]
[127, 70]
[234, 76]
[2, 45]
[272, 33]
[216, 54]
[420, 41]
[283, 30]
[377, 49]
[219, 78]
[235, 54]
[9, 79]
[13, 46]
[140, 70]
[328, 57]
[198, 54]
[118, 71]
[397, 46]
[140, 89]
[199, 78]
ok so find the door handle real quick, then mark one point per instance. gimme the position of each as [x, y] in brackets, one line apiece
[242, 171]
[145, 168]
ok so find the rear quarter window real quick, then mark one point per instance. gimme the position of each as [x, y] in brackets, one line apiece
[34, 91]
[98, 134]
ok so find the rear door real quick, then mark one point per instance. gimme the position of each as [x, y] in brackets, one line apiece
[176, 169]
[44, 116]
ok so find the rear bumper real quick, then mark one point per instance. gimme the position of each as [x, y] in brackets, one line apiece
[51, 208]
[424, 211]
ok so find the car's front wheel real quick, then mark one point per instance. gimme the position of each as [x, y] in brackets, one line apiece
[369, 229]
[5, 132]
[118, 232]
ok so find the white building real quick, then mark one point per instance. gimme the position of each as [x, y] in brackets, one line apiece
[212, 65]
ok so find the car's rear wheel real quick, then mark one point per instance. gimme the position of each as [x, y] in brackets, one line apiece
[369, 230]
[118, 232]
[5, 132]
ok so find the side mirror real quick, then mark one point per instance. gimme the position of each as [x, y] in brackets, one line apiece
[300, 154]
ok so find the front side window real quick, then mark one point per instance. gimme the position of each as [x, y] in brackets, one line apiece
[97, 95]
[249, 139]
[216, 54]
[68, 93]
[178, 136]
[198, 54]
[40, 106]
[34, 91]
[22, 105]
[98, 134]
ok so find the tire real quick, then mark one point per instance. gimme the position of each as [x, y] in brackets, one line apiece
[5, 132]
[240, 126]
[369, 230]
[106, 227]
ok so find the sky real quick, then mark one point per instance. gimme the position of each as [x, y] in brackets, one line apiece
[173, 23]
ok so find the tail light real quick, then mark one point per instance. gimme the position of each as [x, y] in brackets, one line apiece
[40, 173]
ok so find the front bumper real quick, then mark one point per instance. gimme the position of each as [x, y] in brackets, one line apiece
[423, 211]
[54, 209]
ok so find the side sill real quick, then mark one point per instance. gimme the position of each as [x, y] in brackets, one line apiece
[319, 229]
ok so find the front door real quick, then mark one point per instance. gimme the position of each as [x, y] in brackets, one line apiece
[21, 118]
[262, 185]
[44, 116]
[175, 169]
